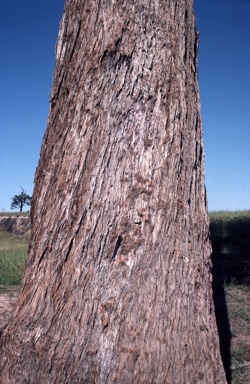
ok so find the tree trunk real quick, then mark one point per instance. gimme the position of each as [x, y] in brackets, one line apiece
[117, 287]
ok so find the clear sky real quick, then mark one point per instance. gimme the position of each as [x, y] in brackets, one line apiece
[28, 33]
[224, 77]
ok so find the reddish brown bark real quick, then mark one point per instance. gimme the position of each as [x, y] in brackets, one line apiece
[117, 287]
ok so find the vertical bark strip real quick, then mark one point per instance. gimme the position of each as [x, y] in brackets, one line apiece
[117, 287]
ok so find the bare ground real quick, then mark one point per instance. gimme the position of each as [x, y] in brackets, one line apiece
[8, 296]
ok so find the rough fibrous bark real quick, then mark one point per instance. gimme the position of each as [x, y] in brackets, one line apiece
[117, 287]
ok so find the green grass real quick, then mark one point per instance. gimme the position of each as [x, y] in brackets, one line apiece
[13, 255]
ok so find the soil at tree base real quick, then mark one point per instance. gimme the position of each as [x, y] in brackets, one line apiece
[8, 296]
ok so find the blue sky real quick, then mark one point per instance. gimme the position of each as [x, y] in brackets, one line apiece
[28, 32]
[224, 78]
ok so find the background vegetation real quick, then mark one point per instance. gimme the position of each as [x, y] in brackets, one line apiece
[13, 255]
[230, 237]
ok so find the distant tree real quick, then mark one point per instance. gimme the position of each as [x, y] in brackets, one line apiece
[19, 201]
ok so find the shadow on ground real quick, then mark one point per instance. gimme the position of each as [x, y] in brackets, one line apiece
[230, 237]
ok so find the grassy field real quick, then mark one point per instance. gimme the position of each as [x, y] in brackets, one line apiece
[238, 307]
[230, 237]
[13, 255]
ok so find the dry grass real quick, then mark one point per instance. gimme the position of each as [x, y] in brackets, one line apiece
[238, 302]
[8, 296]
